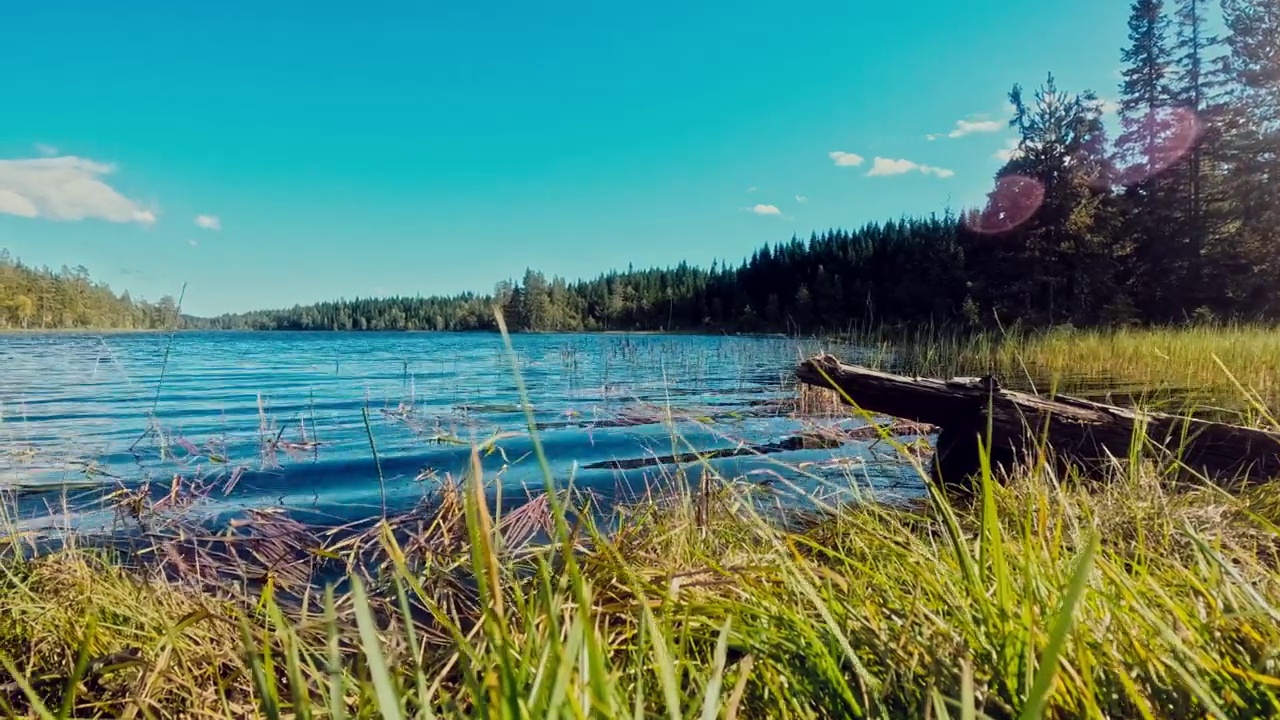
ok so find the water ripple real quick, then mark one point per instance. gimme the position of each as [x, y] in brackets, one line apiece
[283, 413]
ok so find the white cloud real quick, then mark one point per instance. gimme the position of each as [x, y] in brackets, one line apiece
[752, 189]
[765, 210]
[882, 167]
[1009, 151]
[11, 203]
[46, 150]
[802, 199]
[885, 166]
[65, 189]
[846, 159]
[193, 243]
[209, 222]
[969, 127]
[1110, 107]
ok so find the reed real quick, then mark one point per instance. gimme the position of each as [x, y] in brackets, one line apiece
[1204, 363]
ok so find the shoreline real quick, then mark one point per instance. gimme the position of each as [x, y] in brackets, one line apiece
[494, 331]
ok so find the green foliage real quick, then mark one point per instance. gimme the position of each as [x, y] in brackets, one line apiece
[39, 299]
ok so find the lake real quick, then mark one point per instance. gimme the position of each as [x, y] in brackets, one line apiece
[279, 419]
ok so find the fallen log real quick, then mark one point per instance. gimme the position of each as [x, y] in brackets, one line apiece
[1079, 432]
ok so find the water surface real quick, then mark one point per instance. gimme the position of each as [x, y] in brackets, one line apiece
[279, 419]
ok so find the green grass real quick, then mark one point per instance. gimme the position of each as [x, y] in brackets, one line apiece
[1043, 597]
[1194, 363]
[1193, 357]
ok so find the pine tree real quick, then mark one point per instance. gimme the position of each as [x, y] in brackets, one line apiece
[1146, 121]
[1062, 259]
[1196, 89]
[1145, 95]
[1250, 261]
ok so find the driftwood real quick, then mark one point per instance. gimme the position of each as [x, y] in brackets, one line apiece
[1078, 431]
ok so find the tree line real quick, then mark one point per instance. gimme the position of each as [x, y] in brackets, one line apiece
[1176, 218]
[42, 299]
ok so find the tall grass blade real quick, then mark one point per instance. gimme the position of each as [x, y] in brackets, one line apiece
[384, 686]
[665, 668]
[1047, 668]
[711, 700]
[411, 635]
[337, 676]
[77, 673]
[377, 462]
[263, 680]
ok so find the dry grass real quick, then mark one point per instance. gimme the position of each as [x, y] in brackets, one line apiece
[150, 644]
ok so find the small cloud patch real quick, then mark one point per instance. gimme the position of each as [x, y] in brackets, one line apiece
[969, 127]
[846, 159]
[209, 222]
[763, 209]
[883, 167]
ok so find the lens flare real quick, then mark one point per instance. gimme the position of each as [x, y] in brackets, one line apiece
[1015, 200]
[1172, 132]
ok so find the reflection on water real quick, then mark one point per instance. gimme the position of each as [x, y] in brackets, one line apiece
[280, 419]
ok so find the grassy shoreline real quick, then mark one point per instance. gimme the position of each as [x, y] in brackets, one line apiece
[1139, 601]
[1044, 597]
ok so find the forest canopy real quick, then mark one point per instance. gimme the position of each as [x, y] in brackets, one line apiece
[40, 298]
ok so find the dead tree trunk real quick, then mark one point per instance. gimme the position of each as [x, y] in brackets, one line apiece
[1077, 431]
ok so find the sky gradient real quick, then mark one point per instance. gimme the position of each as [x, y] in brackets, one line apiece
[268, 156]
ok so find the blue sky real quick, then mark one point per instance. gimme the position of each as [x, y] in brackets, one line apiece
[422, 147]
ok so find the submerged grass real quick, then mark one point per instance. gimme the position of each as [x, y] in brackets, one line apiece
[1044, 597]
